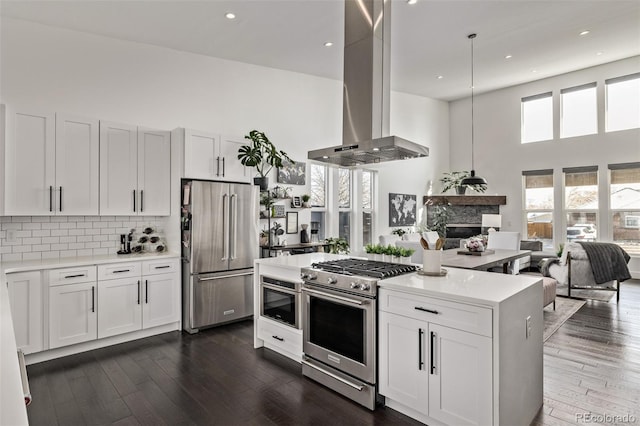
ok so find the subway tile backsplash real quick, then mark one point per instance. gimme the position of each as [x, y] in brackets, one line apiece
[46, 237]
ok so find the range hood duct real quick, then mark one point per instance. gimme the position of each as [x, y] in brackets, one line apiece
[366, 91]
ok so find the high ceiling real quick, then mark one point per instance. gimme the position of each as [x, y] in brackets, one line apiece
[429, 38]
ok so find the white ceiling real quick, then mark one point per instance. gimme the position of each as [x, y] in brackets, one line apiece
[428, 38]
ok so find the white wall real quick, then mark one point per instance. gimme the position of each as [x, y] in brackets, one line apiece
[57, 70]
[501, 158]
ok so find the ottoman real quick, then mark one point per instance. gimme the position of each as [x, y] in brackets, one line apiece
[549, 291]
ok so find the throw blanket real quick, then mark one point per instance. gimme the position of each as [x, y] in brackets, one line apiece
[544, 265]
[608, 261]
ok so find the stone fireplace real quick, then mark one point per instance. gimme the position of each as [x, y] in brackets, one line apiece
[465, 214]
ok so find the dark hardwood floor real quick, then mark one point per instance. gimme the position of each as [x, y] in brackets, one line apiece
[592, 366]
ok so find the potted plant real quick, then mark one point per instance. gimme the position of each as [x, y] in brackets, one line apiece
[266, 202]
[453, 180]
[399, 232]
[263, 155]
[405, 255]
[378, 252]
[369, 250]
[305, 200]
[337, 245]
[264, 238]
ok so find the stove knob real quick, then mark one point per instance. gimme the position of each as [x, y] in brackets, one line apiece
[355, 285]
[332, 280]
[364, 287]
[311, 276]
[304, 276]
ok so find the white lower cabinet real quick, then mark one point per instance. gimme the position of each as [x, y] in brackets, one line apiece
[119, 306]
[434, 372]
[25, 299]
[161, 304]
[73, 316]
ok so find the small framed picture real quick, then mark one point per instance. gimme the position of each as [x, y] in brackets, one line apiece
[296, 202]
[278, 210]
[292, 222]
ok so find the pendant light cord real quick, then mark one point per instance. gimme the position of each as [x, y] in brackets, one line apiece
[471, 37]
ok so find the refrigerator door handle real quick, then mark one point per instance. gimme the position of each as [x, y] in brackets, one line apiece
[233, 219]
[225, 227]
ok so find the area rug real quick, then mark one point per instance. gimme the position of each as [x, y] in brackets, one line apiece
[565, 308]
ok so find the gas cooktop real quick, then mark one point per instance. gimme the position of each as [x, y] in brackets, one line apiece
[364, 267]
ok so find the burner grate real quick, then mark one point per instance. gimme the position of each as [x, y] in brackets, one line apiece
[368, 268]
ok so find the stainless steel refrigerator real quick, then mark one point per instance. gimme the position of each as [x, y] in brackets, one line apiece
[219, 244]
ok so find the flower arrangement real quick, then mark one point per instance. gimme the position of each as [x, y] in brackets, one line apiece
[475, 244]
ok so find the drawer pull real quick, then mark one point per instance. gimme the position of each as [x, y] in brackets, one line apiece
[278, 338]
[74, 276]
[431, 311]
[121, 271]
[162, 267]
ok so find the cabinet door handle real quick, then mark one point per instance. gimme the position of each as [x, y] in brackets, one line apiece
[420, 362]
[134, 200]
[138, 292]
[278, 338]
[433, 344]
[217, 166]
[93, 299]
[222, 166]
[60, 199]
[50, 198]
[431, 311]
[74, 276]
[146, 291]
[141, 200]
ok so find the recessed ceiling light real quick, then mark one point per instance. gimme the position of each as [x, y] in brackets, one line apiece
[376, 149]
[328, 44]
[599, 53]
[230, 15]
[508, 57]
[585, 32]
[412, 1]
[534, 71]
[440, 77]
[325, 156]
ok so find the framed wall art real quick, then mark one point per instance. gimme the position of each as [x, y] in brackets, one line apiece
[292, 222]
[292, 173]
[402, 209]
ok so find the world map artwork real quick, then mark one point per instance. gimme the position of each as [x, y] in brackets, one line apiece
[402, 209]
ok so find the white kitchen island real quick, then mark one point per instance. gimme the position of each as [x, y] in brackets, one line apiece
[465, 348]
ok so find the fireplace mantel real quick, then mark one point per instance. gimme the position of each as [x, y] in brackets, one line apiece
[466, 200]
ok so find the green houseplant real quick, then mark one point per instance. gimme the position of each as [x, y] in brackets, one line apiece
[453, 180]
[263, 155]
[305, 200]
[337, 245]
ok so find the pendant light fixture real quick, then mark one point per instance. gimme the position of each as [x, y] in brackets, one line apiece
[472, 180]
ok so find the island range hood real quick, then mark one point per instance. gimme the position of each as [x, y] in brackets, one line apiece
[366, 91]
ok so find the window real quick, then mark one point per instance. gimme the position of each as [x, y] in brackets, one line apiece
[581, 203]
[537, 118]
[625, 205]
[318, 186]
[367, 207]
[318, 192]
[538, 205]
[344, 204]
[623, 102]
[579, 112]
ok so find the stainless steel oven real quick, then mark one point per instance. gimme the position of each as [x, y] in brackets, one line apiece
[280, 300]
[339, 312]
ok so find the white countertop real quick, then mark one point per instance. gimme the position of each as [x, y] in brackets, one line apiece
[66, 262]
[477, 287]
[300, 260]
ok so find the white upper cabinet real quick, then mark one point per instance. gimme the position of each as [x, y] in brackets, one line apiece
[210, 156]
[154, 177]
[77, 151]
[30, 164]
[135, 170]
[51, 165]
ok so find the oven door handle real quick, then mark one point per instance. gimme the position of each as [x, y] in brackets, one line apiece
[279, 289]
[334, 376]
[334, 297]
